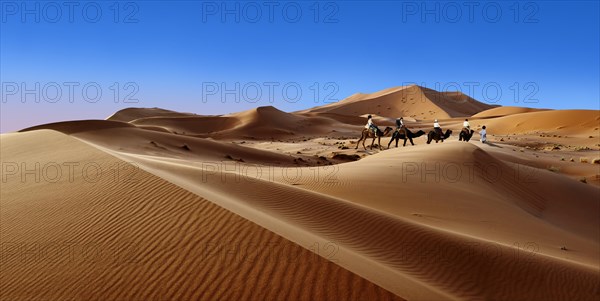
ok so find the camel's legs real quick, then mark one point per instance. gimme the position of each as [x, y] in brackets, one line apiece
[394, 137]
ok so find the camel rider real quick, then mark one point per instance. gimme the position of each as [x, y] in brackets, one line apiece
[400, 127]
[437, 128]
[399, 123]
[466, 125]
[370, 126]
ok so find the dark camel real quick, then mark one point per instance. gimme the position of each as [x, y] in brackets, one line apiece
[465, 135]
[399, 134]
[369, 134]
[435, 135]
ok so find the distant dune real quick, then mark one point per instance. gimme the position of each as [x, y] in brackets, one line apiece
[411, 101]
[574, 122]
[255, 123]
[77, 126]
[503, 111]
[271, 205]
[131, 114]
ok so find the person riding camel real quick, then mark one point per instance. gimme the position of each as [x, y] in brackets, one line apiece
[400, 127]
[370, 125]
[437, 128]
[466, 126]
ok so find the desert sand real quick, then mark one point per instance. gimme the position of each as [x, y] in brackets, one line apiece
[152, 204]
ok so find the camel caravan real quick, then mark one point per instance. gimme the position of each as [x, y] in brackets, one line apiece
[402, 132]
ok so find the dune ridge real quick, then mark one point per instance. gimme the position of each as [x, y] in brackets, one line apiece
[131, 114]
[365, 234]
[155, 241]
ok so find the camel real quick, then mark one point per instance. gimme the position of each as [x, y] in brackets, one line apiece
[465, 135]
[369, 134]
[434, 135]
[400, 135]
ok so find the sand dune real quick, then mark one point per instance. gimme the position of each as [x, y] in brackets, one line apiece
[503, 111]
[189, 125]
[248, 206]
[564, 121]
[71, 127]
[131, 114]
[382, 225]
[130, 138]
[269, 121]
[141, 141]
[259, 123]
[455, 104]
[138, 237]
[411, 101]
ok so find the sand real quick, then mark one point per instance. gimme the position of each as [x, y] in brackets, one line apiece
[138, 237]
[512, 219]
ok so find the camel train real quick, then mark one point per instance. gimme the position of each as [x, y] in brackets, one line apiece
[402, 132]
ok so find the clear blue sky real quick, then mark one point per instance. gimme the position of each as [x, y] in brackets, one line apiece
[178, 54]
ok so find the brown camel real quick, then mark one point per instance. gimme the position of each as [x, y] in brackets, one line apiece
[434, 135]
[369, 134]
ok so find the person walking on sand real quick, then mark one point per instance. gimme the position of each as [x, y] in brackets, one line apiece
[483, 134]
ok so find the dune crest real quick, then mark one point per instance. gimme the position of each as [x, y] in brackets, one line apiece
[410, 101]
[130, 114]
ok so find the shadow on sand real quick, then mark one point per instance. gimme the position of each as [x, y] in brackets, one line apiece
[492, 144]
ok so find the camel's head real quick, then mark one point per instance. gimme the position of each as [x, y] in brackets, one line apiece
[448, 132]
[387, 130]
[419, 133]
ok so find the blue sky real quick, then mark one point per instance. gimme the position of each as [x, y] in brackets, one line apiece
[183, 55]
